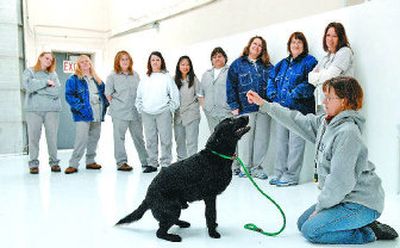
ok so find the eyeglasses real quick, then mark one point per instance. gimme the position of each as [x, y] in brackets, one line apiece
[329, 99]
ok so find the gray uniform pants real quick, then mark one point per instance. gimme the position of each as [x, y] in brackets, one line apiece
[186, 138]
[35, 121]
[253, 146]
[158, 126]
[289, 154]
[136, 130]
[86, 138]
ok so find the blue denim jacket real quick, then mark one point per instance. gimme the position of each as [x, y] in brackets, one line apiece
[243, 76]
[289, 85]
[77, 96]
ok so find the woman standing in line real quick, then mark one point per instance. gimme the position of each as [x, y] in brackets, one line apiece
[157, 98]
[251, 72]
[120, 91]
[42, 107]
[212, 95]
[187, 116]
[290, 88]
[338, 61]
[84, 92]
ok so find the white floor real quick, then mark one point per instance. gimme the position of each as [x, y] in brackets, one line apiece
[58, 210]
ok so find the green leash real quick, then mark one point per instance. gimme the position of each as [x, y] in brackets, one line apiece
[252, 226]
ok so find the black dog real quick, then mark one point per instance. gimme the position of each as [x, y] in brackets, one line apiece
[200, 177]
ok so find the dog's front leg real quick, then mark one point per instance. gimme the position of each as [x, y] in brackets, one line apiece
[211, 217]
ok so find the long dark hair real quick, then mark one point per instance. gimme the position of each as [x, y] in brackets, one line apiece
[341, 33]
[149, 69]
[178, 73]
[264, 56]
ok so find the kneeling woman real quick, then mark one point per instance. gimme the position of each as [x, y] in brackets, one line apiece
[84, 92]
[352, 196]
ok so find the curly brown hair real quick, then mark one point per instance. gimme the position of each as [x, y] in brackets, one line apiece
[264, 56]
[346, 88]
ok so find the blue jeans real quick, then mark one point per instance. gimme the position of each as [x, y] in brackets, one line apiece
[344, 223]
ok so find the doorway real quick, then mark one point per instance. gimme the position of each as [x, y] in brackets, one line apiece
[66, 128]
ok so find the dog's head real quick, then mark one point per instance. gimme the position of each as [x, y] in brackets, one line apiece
[227, 133]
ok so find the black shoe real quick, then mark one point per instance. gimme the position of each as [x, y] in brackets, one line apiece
[149, 169]
[383, 231]
[236, 171]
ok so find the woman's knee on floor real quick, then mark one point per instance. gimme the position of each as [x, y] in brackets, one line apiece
[310, 231]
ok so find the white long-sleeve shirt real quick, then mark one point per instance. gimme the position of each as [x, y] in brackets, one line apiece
[157, 93]
[330, 66]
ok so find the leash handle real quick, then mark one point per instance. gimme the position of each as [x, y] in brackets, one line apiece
[251, 226]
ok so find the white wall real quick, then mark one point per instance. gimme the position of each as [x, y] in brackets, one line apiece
[66, 26]
[219, 19]
[11, 119]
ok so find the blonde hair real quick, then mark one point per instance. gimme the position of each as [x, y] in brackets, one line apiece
[79, 73]
[117, 66]
[38, 66]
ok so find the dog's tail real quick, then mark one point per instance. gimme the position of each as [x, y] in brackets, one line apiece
[135, 215]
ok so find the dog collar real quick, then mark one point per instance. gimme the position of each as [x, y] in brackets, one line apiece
[233, 157]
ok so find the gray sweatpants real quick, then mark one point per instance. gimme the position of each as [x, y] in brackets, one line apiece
[253, 146]
[35, 121]
[87, 135]
[136, 130]
[156, 126]
[186, 138]
[289, 154]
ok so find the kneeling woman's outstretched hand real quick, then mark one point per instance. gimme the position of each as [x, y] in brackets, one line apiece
[253, 97]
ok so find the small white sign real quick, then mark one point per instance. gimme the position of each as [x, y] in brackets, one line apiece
[68, 66]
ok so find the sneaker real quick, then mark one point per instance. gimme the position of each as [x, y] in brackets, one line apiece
[149, 169]
[383, 231]
[93, 166]
[285, 183]
[242, 174]
[274, 180]
[259, 173]
[236, 172]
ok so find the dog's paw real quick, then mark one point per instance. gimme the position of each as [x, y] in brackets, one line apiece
[214, 234]
[170, 237]
[183, 224]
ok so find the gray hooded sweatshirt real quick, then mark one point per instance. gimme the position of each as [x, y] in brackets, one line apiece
[344, 172]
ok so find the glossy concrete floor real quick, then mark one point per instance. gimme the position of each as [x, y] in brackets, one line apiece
[79, 210]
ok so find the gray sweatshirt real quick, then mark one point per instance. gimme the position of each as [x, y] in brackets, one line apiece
[123, 89]
[344, 172]
[189, 109]
[214, 92]
[39, 96]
